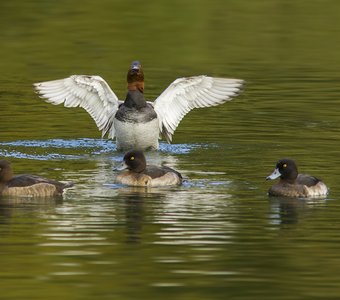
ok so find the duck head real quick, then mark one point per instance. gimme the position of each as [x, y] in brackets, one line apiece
[286, 169]
[134, 161]
[135, 77]
[6, 173]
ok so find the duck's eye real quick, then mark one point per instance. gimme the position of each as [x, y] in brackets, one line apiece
[284, 165]
[132, 158]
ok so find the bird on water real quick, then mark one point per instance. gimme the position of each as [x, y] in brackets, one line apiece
[28, 185]
[135, 122]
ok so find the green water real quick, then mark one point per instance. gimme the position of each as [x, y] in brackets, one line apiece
[218, 236]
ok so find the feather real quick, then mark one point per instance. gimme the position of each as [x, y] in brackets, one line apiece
[187, 93]
[89, 92]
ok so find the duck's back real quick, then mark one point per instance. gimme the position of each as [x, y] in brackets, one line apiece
[307, 180]
[156, 172]
[162, 176]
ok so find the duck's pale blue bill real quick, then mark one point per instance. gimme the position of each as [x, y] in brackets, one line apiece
[135, 65]
[274, 175]
[121, 166]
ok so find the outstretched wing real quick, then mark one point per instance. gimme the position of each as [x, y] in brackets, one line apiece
[185, 94]
[89, 92]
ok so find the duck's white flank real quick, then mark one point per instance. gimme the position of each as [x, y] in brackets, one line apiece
[320, 189]
[135, 179]
[39, 189]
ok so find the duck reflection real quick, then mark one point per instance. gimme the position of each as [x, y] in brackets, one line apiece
[286, 210]
[14, 206]
[135, 211]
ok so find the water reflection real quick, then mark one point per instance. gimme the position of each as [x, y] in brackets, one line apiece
[286, 210]
[185, 215]
[134, 214]
[11, 205]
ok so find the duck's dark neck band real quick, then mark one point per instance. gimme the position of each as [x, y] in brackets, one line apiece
[135, 99]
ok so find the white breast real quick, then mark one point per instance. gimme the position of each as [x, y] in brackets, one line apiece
[137, 135]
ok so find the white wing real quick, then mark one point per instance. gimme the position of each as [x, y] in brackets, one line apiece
[187, 93]
[89, 92]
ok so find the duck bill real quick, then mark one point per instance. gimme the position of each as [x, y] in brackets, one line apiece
[121, 166]
[274, 175]
[135, 66]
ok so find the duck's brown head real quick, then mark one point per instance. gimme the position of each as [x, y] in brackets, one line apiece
[135, 77]
[6, 173]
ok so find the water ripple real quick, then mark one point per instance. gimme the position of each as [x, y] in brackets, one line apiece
[61, 143]
[48, 156]
[54, 149]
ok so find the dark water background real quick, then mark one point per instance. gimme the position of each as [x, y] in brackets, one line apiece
[218, 236]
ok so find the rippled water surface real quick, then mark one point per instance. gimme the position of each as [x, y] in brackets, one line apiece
[218, 236]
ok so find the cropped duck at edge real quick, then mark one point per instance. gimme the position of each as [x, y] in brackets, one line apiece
[28, 185]
[138, 173]
[135, 122]
[293, 184]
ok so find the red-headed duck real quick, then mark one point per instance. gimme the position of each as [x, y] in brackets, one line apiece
[135, 122]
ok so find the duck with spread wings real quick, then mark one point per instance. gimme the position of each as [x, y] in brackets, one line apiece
[135, 122]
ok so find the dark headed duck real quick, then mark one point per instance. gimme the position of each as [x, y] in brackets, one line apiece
[138, 173]
[293, 184]
[28, 185]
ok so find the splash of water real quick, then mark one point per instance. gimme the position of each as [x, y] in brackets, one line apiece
[59, 149]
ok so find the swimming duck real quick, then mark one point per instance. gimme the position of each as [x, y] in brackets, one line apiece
[135, 122]
[293, 184]
[28, 185]
[138, 173]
